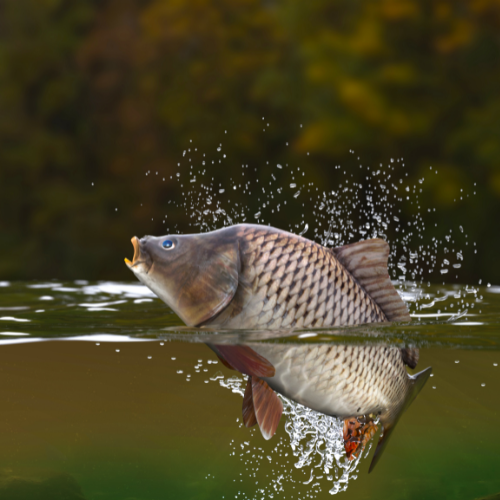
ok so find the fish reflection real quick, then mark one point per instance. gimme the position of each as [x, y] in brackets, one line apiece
[367, 386]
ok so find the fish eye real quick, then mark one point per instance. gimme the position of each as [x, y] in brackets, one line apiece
[168, 244]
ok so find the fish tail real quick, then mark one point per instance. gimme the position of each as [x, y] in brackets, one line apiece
[417, 382]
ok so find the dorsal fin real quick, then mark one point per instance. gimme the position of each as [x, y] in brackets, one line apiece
[367, 262]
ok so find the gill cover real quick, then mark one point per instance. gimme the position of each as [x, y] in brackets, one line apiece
[197, 277]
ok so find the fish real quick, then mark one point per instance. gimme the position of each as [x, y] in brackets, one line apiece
[250, 276]
[366, 386]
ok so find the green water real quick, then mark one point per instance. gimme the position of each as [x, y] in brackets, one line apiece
[93, 405]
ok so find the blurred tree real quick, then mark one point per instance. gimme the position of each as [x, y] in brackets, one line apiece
[98, 99]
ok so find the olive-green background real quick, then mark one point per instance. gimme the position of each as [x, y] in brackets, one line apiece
[128, 427]
[94, 94]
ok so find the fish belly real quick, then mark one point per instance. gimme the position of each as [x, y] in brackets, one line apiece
[338, 380]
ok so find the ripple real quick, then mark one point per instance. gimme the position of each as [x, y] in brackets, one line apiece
[18, 320]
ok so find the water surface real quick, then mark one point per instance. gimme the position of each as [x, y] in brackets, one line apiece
[106, 396]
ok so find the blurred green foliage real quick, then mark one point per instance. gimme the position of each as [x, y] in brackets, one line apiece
[94, 94]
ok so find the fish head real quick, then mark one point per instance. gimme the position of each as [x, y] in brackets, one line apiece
[195, 275]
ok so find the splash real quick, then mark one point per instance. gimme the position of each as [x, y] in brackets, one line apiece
[316, 443]
[366, 202]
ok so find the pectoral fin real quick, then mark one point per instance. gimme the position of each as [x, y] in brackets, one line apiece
[243, 359]
[261, 405]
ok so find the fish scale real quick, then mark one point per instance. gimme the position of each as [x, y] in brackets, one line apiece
[338, 380]
[287, 281]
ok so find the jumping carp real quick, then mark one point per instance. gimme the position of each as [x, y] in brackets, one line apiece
[258, 277]
[251, 276]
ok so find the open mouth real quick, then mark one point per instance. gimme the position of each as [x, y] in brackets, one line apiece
[139, 257]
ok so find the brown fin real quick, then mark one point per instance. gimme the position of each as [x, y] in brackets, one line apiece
[249, 418]
[410, 356]
[244, 359]
[224, 362]
[221, 358]
[267, 406]
[367, 262]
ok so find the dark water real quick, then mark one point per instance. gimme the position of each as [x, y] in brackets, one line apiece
[104, 396]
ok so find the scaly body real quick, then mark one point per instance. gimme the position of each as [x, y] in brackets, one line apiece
[339, 380]
[287, 281]
[249, 276]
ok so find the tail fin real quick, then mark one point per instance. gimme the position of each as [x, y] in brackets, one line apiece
[417, 383]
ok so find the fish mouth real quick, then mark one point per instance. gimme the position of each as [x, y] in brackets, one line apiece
[141, 261]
